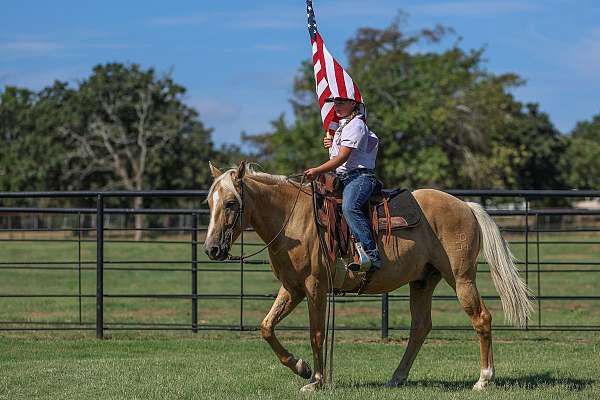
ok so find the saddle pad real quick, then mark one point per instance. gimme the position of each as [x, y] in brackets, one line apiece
[405, 212]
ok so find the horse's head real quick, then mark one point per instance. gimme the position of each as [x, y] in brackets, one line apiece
[225, 202]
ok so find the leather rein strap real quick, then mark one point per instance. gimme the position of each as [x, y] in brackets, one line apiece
[330, 323]
[243, 258]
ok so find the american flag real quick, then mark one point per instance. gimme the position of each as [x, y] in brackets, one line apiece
[330, 77]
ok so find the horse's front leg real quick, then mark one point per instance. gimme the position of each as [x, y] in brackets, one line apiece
[316, 294]
[284, 304]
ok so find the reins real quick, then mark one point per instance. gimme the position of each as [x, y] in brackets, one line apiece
[241, 212]
[330, 313]
[330, 298]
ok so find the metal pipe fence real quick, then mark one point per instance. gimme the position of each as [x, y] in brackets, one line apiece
[527, 232]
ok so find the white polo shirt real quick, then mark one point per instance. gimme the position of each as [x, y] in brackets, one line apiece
[364, 143]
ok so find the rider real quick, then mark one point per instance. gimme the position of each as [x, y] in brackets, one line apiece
[352, 153]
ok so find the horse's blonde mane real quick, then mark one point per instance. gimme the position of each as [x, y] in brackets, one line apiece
[226, 179]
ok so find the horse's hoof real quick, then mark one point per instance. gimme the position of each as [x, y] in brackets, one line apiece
[481, 385]
[310, 388]
[485, 378]
[303, 369]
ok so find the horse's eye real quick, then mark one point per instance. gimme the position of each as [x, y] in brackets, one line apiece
[230, 204]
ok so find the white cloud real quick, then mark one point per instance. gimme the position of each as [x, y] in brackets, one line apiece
[215, 111]
[280, 80]
[4, 77]
[179, 20]
[265, 23]
[585, 56]
[470, 8]
[575, 59]
[294, 17]
[109, 46]
[356, 8]
[31, 46]
[272, 47]
[277, 17]
[21, 46]
[37, 80]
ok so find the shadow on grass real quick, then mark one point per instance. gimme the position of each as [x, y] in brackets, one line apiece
[524, 382]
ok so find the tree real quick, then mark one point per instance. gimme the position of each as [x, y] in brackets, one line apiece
[442, 119]
[129, 129]
[534, 149]
[30, 154]
[16, 120]
[581, 160]
[121, 128]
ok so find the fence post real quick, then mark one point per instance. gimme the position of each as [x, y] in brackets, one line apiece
[539, 274]
[526, 249]
[195, 273]
[241, 327]
[100, 267]
[79, 262]
[384, 316]
[242, 262]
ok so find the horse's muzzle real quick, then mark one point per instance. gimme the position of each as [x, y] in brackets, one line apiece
[216, 253]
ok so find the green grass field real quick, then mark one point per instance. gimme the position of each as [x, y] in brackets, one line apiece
[240, 366]
[145, 365]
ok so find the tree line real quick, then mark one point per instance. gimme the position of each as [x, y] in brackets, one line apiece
[122, 128]
[443, 120]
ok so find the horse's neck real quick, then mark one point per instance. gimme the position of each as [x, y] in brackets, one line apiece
[272, 205]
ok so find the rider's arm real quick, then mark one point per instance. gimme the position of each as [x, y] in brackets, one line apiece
[336, 161]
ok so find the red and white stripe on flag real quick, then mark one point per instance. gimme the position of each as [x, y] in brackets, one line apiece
[331, 81]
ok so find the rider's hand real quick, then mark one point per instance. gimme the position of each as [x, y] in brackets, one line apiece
[311, 174]
[327, 142]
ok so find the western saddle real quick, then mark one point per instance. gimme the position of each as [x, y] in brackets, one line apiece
[388, 210]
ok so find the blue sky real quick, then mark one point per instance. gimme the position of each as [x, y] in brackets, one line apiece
[237, 58]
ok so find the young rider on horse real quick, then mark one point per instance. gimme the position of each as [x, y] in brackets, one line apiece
[352, 154]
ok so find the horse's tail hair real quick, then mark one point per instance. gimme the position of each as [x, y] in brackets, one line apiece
[513, 292]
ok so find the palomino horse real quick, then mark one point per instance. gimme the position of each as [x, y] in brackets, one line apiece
[445, 246]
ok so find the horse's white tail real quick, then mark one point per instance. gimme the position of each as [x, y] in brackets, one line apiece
[513, 292]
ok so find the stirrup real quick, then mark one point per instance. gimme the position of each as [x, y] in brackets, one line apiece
[366, 279]
[362, 263]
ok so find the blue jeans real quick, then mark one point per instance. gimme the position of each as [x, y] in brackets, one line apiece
[358, 187]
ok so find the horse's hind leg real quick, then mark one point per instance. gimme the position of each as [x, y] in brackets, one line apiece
[420, 310]
[284, 304]
[481, 319]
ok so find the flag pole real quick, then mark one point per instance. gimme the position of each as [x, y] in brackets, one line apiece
[312, 30]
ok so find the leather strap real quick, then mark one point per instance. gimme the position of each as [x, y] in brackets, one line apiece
[388, 219]
[367, 278]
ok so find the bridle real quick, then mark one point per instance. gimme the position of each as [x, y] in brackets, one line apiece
[330, 311]
[227, 236]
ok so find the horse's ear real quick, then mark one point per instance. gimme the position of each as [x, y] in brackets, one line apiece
[216, 172]
[241, 170]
